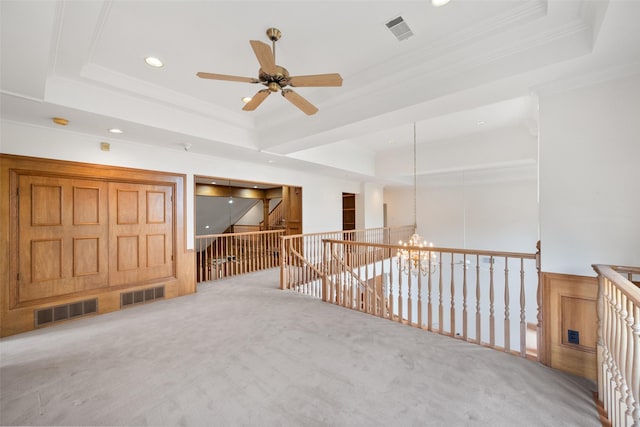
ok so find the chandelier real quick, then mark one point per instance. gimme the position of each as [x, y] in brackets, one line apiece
[414, 257]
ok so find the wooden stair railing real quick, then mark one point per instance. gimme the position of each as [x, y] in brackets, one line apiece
[230, 254]
[464, 294]
[302, 254]
[618, 346]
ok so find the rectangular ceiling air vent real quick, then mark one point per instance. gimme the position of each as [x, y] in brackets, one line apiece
[399, 28]
[58, 313]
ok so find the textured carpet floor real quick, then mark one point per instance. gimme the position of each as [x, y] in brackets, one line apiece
[240, 352]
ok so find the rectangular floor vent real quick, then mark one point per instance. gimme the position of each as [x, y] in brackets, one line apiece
[142, 296]
[58, 313]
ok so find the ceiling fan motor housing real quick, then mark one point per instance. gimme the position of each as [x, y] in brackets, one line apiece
[275, 81]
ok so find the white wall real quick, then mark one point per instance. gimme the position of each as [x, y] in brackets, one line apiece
[369, 206]
[590, 177]
[480, 210]
[322, 196]
[254, 216]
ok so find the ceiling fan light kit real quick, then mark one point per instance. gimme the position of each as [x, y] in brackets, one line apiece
[276, 78]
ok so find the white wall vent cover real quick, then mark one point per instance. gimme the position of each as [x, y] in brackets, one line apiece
[399, 28]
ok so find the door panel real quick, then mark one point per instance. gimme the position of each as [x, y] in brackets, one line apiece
[142, 226]
[292, 199]
[63, 236]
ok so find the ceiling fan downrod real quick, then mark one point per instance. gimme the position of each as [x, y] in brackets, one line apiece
[274, 35]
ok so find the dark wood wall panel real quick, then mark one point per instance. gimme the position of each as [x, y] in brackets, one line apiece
[62, 238]
[86, 206]
[144, 211]
[156, 250]
[86, 256]
[72, 231]
[46, 206]
[127, 207]
[46, 260]
[127, 253]
[156, 208]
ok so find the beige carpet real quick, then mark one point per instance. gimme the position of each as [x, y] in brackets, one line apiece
[240, 352]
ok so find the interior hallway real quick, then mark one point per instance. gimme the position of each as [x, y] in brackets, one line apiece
[242, 352]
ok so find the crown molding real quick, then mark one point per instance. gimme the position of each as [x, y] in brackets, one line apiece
[587, 79]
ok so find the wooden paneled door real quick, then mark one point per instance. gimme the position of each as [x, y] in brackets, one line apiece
[292, 199]
[63, 239]
[141, 232]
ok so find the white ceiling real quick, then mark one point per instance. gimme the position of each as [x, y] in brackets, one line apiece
[472, 67]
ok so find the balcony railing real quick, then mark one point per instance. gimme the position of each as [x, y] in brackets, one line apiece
[619, 343]
[224, 255]
[485, 297]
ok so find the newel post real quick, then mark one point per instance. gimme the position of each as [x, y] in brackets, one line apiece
[284, 275]
[325, 263]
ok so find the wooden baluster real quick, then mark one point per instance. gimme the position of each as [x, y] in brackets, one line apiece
[630, 400]
[507, 321]
[440, 306]
[452, 311]
[390, 299]
[624, 390]
[464, 298]
[400, 291]
[492, 328]
[375, 256]
[344, 283]
[304, 251]
[360, 293]
[609, 346]
[478, 314]
[540, 345]
[429, 292]
[523, 324]
[600, 347]
[367, 261]
[420, 324]
[330, 275]
[616, 356]
[410, 277]
[635, 375]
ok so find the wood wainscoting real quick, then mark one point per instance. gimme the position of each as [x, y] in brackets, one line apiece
[570, 323]
[76, 232]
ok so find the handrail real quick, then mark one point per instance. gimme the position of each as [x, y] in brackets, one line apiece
[618, 356]
[495, 254]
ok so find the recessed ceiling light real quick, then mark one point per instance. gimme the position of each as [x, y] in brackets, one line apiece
[271, 161]
[115, 130]
[480, 122]
[438, 3]
[213, 182]
[230, 201]
[255, 186]
[153, 62]
[246, 99]
[206, 226]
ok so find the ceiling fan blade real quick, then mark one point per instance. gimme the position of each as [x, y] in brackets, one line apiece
[297, 100]
[228, 78]
[316, 80]
[256, 100]
[264, 55]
